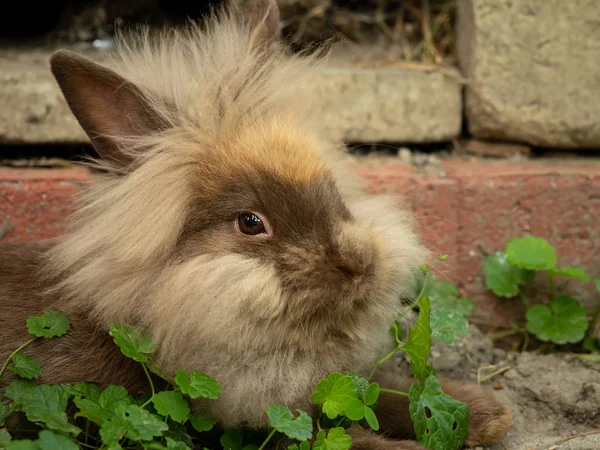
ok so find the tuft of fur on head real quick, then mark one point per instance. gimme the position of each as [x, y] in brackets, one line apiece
[226, 127]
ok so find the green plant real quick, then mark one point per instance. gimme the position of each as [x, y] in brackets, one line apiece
[562, 320]
[74, 416]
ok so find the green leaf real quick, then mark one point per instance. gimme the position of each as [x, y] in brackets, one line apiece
[336, 439]
[282, 419]
[4, 438]
[113, 430]
[2, 412]
[171, 404]
[44, 404]
[176, 445]
[53, 441]
[564, 322]
[439, 289]
[105, 404]
[179, 433]
[202, 422]
[531, 253]
[132, 422]
[88, 390]
[143, 425]
[418, 344]
[232, 440]
[58, 421]
[133, 343]
[25, 444]
[333, 392]
[305, 445]
[354, 409]
[198, 385]
[440, 422]
[48, 325]
[597, 283]
[371, 419]
[371, 394]
[25, 366]
[571, 272]
[39, 402]
[447, 326]
[442, 258]
[591, 345]
[502, 278]
[171, 445]
[464, 306]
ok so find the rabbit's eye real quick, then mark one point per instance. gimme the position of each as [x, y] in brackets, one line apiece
[250, 224]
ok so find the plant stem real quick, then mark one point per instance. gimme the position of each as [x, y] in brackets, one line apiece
[13, 354]
[267, 439]
[504, 333]
[382, 360]
[151, 384]
[551, 278]
[393, 391]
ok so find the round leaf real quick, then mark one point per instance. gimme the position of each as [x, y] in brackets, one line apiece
[133, 343]
[282, 419]
[48, 325]
[4, 437]
[354, 409]
[25, 444]
[333, 393]
[502, 278]
[336, 439]
[198, 385]
[143, 426]
[531, 253]
[564, 322]
[171, 404]
[202, 422]
[25, 366]
[371, 419]
[371, 394]
[447, 326]
[53, 441]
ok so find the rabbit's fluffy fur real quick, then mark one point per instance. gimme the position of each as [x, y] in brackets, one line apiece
[197, 127]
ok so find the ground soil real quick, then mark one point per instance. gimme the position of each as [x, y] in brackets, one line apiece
[552, 397]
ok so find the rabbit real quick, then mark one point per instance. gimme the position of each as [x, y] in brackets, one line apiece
[224, 223]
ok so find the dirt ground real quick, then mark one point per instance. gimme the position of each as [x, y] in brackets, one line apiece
[552, 397]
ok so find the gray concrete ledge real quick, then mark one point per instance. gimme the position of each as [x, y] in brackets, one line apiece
[362, 104]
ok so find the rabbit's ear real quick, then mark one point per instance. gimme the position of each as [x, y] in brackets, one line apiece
[264, 21]
[105, 104]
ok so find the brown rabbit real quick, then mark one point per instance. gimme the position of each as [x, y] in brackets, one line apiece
[224, 226]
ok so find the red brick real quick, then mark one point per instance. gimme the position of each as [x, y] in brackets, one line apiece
[470, 213]
[499, 201]
[37, 201]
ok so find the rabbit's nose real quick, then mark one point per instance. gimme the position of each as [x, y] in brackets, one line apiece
[356, 250]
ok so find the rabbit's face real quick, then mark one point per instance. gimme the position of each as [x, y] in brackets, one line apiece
[267, 196]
